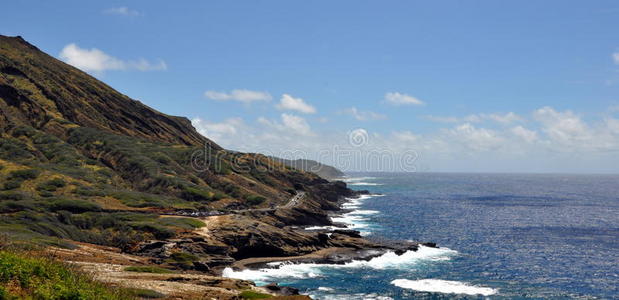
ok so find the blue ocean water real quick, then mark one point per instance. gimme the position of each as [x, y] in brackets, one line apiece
[504, 236]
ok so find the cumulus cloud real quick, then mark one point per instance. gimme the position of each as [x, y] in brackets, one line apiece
[288, 102]
[549, 141]
[217, 131]
[122, 11]
[505, 118]
[527, 135]
[95, 60]
[398, 99]
[239, 95]
[476, 138]
[363, 115]
[563, 127]
[289, 123]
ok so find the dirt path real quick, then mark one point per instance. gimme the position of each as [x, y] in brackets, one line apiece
[108, 265]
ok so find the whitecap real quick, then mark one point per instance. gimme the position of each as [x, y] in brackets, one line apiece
[389, 260]
[443, 286]
[365, 183]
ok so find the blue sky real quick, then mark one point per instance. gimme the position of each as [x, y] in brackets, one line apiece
[500, 86]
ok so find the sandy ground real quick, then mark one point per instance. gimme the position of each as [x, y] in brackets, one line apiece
[107, 264]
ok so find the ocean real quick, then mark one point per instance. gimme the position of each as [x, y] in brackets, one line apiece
[501, 236]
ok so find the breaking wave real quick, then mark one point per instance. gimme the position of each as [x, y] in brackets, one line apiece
[443, 286]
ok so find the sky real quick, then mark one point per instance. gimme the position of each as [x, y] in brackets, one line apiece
[432, 86]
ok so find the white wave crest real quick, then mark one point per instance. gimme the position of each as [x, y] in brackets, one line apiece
[443, 286]
[364, 183]
[356, 179]
[389, 260]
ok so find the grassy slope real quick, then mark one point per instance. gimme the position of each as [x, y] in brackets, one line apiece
[29, 277]
[80, 161]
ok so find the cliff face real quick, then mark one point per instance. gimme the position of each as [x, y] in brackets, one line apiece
[45, 93]
[74, 153]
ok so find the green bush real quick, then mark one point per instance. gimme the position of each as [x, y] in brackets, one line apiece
[42, 278]
[11, 206]
[255, 200]
[74, 205]
[186, 223]
[198, 195]
[51, 185]
[12, 196]
[183, 257]
[12, 184]
[254, 295]
[160, 232]
[23, 175]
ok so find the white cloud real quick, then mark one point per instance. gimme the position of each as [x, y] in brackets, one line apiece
[616, 57]
[95, 60]
[506, 118]
[562, 127]
[552, 141]
[239, 95]
[363, 115]
[527, 135]
[405, 136]
[122, 11]
[288, 102]
[476, 138]
[289, 123]
[402, 99]
[218, 131]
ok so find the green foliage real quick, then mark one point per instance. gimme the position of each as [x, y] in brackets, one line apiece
[145, 294]
[15, 206]
[185, 223]
[12, 184]
[148, 269]
[254, 295]
[197, 195]
[160, 232]
[12, 196]
[74, 205]
[23, 175]
[254, 200]
[51, 185]
[183, 257]
[42, 278]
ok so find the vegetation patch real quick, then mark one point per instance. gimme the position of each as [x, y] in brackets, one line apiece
[254, 295]
[30, 277]
[185, 223]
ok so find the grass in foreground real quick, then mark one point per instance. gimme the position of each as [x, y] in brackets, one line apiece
[30, 277]
[254, 295]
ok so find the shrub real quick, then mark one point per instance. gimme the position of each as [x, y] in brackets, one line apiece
[198, 195]
[160, 232]
[15, 206]
[42, 278]
[26, 174]
[255, 200]
[254, 295]
[183, 257]
[12, 196]
[186, 223]
[12, 184]
[74, 205]
[51, 185]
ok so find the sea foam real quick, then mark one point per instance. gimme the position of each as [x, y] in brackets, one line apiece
[443, 286]
[389, 260]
